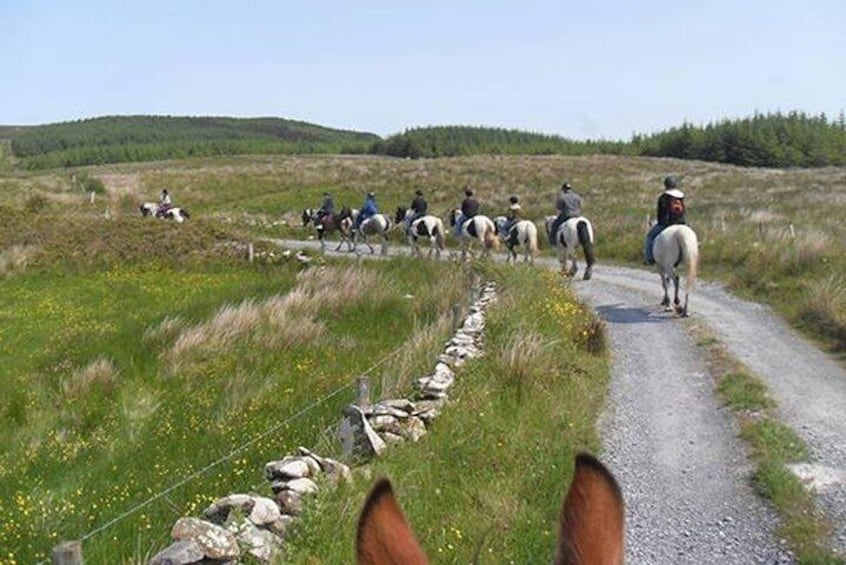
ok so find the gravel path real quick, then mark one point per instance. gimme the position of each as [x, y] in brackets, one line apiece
[674, 449]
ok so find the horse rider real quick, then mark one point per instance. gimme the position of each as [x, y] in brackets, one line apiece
[368, 210]
[165, 202]
[327, 207]
[512, 215]
[469, 208]
[418, 208]
[671, 211]
[569, 205]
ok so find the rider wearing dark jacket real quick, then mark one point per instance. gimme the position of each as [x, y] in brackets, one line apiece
[469, 206]
[418, 205]
[569, 205]
[671, 211]
[327, 207]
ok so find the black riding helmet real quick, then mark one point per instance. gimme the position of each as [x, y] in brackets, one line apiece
[514, 199]
[670, 182]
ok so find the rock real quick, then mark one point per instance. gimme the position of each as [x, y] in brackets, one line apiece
[265, 511]
[215, 542]
[219, 511]
[288, 468]
[358, 438]
[181, 552]
[290, 502]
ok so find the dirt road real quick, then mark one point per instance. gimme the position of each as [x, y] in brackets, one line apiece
[683, 471]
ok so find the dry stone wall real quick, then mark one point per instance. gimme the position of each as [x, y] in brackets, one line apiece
[241, 525]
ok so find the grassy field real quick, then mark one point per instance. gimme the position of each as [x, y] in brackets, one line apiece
[144, 350]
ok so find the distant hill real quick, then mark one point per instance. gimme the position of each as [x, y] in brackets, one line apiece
[114, 139]
[764, 140]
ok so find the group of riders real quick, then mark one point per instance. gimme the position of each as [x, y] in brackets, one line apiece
[671, 211]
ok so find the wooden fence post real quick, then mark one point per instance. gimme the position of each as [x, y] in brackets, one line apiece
[456, 316]
[68, 553]
[251, 252]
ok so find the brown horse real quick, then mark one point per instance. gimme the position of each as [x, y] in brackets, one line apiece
[591, 529]
[341, 222]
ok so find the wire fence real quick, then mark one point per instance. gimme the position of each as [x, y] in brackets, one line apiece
[75, 546]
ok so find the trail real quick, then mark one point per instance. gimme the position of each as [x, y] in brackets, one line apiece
[674, 447]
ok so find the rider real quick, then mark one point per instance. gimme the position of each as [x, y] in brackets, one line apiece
[418, 208]
[165, 202]
[512, 215]
[469, 208]
[569, 205]
[368, 210]
[671, 211]
[327, 208]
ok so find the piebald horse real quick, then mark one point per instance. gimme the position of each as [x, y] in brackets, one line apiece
[377, 225]
[480, 228]
[150, 209]
[428, 226]
[676, 246]
[340, 221]
[591, 523]
[571, 234]
[522, 233]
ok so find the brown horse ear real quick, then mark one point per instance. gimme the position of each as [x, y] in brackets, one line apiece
[384, 536]
[592, 521]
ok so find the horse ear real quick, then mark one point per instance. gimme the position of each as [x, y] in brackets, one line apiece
[592, 521]
[384, 536]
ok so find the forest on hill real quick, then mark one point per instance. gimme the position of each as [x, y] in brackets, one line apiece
[772, 140]
[116, 139]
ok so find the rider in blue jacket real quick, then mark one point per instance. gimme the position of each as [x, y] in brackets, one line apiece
[368, 210]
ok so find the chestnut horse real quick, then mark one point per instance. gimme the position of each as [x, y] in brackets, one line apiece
[591, 523]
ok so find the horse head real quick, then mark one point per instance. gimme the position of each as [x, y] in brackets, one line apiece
[401, 214]
[591, 523]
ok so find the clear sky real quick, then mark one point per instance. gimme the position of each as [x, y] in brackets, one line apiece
[580, 69]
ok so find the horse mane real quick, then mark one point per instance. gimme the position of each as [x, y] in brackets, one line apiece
[591, 523]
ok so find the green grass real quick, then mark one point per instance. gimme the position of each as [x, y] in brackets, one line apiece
[773, 446]
[491, 474]
[149, 374]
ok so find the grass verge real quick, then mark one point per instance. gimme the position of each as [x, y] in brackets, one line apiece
[773, 446]
[489, 477]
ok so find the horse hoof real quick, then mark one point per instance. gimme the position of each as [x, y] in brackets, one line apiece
[588, 274]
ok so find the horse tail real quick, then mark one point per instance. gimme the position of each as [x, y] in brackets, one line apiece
[689, 246]
[586, 241]
[532, 238]
[438, 234]
[491, 238]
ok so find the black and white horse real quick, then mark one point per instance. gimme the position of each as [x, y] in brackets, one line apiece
[342, 222]
[676, 247]
[428, 226]
[377, 225]
[571, 234]
[479, 227]
[523, 233]
[152, 209]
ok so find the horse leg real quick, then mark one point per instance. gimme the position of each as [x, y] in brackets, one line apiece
[680, 310]
[574, 265]
[665, 283]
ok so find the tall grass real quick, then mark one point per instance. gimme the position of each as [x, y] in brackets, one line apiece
[490, 476]
[125, 381]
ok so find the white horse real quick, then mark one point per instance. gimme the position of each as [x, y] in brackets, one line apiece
[571, 234]
[674, 247]
[522, 233]
[480, 228]
[152, 209]
[428, 226]
[376, 225]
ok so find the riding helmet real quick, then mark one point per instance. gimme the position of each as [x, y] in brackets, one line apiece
[670, 182]
[418, 192]
[371, 195]
[566, 185]
[468, 192]
[514, 199]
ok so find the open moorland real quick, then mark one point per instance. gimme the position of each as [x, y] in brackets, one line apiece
[140, 352]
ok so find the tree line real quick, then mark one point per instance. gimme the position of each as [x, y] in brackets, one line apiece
[775, 140]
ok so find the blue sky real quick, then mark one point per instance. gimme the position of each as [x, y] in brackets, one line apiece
[578, 69]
